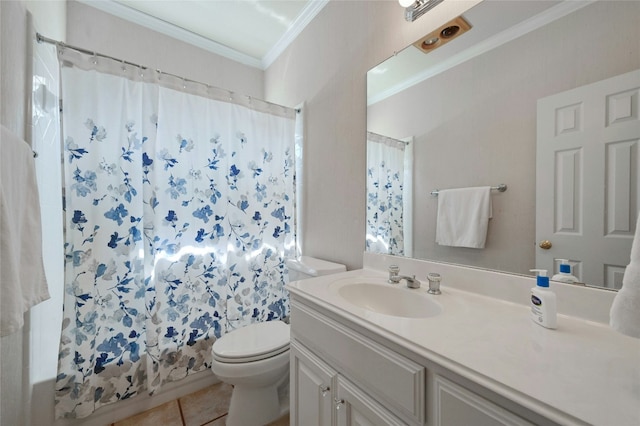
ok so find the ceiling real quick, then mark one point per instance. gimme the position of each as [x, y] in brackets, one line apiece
[256, 32]
[252, 32]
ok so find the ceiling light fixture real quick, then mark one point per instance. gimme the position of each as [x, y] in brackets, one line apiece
[447, 32]
[417, 8]
[429, 44]
[431, 41]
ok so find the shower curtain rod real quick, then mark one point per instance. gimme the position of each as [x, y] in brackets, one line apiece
[42, 39]
[377, 135]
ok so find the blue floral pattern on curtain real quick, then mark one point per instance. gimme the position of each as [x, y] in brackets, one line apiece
[179, 213]
[385, 176]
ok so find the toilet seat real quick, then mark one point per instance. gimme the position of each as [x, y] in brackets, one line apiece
[252, 343]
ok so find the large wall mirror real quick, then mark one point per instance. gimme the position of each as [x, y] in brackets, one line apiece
[472, 113]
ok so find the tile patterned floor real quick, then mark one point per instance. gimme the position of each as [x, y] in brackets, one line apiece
[205, 407]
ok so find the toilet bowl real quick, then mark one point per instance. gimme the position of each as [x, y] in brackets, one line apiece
[255, 359]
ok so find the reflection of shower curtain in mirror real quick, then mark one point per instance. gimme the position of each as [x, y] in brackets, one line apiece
[388, 195]
[179, 213]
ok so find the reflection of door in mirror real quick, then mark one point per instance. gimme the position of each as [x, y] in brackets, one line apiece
[389, 178]
[588, 137]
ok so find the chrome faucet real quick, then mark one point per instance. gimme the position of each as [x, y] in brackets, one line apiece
[434, 283]
[395, 277]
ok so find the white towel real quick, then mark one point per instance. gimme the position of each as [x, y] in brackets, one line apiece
[625, 310]
[463, 216]
[22, 279]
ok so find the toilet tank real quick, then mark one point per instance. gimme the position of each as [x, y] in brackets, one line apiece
[308, 267]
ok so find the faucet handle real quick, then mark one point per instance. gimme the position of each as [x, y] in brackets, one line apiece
[394, 270]
[434, 283]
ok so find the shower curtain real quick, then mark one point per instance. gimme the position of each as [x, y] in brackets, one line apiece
[389, 179]
[179, 213]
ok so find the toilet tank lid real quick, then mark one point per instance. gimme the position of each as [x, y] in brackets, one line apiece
[314, 267]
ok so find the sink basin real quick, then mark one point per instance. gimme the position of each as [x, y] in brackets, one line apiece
[387, 300]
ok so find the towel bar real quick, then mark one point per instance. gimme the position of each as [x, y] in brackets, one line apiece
[500, 188]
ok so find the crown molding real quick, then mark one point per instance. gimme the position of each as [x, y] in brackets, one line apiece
[510, 34]
[310, 11]
[163, 27]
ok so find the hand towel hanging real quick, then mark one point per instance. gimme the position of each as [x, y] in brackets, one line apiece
[463, 217]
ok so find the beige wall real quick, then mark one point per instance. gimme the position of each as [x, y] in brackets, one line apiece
[49, 17]
[98, 31]
[326, 67]
[475, 124]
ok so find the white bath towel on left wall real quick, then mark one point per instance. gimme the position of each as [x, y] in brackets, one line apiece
[22, 279]
[463, 217]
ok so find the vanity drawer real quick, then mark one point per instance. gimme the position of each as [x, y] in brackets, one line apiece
[392, 379]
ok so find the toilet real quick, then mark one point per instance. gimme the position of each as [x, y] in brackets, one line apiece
[255, 358]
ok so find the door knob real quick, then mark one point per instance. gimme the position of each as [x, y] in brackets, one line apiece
[545, 244]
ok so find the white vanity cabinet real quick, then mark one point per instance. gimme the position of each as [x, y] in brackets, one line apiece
[368, 383]
[456, 405]
[479, 361]
[344, 375]
[313, 388]
[323, 397]
[355, 408]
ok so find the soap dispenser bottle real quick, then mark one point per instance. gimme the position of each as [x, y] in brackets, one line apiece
[565, 273]
[543, 301]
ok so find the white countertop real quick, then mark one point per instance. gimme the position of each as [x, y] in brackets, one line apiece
[582, 369]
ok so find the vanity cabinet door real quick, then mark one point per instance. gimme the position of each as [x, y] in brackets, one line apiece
[312, 388]
[356, 408]
[396, 381]
[457, 406]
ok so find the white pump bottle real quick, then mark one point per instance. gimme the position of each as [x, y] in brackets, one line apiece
[565, 273]
[543, 301]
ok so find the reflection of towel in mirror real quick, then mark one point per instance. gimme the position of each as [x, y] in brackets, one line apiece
[625, 310]
[463, 217]
[22, 279]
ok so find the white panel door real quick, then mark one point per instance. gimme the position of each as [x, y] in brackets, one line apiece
[587, 178]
